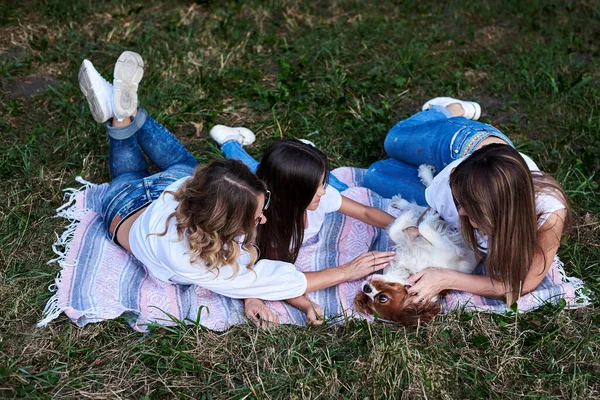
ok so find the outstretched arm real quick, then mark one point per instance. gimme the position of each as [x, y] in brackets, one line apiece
[360, 267]
[430, 282]
[368, 215]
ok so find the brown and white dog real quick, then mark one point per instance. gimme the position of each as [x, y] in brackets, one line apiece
[432, 244]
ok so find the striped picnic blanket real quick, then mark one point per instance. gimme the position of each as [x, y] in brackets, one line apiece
[98, 280]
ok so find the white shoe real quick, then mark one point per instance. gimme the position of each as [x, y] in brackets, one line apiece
[129, 71]
[97, 91]
[222, 134]
[472, 109]
[308, 142]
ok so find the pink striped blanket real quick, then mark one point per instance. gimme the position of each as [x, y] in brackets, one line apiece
[98, 280]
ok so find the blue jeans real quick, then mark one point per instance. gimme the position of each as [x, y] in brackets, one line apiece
[433, 137]
[132, 186]
[233, 149]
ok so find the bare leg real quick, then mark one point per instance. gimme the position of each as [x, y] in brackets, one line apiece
[124, 122]
[456, 109]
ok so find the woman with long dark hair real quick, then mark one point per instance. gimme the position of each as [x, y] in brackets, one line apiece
[510, 213]
[297, 174]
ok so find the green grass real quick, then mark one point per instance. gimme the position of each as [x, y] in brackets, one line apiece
[340, 73]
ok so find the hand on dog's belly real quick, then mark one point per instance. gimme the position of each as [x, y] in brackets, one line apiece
[366, 264]
[429, 283]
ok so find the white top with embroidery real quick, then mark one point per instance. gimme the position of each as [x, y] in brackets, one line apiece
[168, 259]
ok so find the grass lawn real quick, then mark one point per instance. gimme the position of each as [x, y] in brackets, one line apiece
[340, 73]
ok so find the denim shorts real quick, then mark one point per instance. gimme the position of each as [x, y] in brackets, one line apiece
[129, 193]
[469, 135]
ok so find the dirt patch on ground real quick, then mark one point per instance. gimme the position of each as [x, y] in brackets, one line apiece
[494, 109]
[586, 229]
[29, 86]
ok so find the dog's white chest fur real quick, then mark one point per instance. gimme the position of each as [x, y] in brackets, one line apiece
[435, 245]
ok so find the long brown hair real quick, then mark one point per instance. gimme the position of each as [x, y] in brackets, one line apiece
[293, 171]
[216, 205]
[498, 192]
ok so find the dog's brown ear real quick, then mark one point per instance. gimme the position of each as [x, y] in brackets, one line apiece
[412, 313]
[361, 303]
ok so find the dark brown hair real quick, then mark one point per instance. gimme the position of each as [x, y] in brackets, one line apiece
[216, 205]
[293, 171]
[498, 192]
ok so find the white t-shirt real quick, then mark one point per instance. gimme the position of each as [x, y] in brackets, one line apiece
[168, 259]
[331, 201]
[439, 197]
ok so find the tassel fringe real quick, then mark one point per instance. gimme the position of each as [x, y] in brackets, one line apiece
[72, 212]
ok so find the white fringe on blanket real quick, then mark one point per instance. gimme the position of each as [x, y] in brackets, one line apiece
[582, 293]
[61, 246]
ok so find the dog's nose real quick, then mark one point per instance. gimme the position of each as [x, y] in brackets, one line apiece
[367, 288]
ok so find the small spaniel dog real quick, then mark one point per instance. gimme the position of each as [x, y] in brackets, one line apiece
[430, 243]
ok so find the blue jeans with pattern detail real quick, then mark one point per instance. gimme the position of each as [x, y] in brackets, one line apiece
[132, 186]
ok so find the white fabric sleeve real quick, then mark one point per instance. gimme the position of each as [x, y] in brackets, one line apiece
[267, 280]
[331, 200]
[439, 196]
[270, 280]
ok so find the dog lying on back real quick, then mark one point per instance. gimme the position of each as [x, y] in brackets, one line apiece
[432, 244]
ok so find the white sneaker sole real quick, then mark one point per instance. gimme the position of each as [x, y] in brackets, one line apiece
[308, 142]
[99, 111]
[129, 71]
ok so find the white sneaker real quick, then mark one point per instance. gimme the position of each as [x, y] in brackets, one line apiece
[472, 109]
[129, 71]
[222, 134]
[308, 142]
[97, 91]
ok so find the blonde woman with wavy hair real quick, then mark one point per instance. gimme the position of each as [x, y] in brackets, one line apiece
[190, 224]
[206, 203]
[511, 214]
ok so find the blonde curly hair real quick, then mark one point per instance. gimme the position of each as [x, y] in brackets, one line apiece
[217, 205]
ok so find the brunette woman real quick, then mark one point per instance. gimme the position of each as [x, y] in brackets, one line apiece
[297, 174]
[510, 213]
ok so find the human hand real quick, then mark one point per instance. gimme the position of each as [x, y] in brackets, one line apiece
[315, 315]
[259, 313]
[366, 264]
[427, 284]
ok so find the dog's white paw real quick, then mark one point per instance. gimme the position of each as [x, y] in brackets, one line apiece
[406, 219]
[404, 205]
[430, 216]
[425, 174]
[399, 203]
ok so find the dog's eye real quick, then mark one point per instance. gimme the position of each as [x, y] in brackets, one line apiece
[382, 298]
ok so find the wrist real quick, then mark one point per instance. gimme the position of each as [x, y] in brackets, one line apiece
[251, 300]
[449, 280]
[341, 273]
